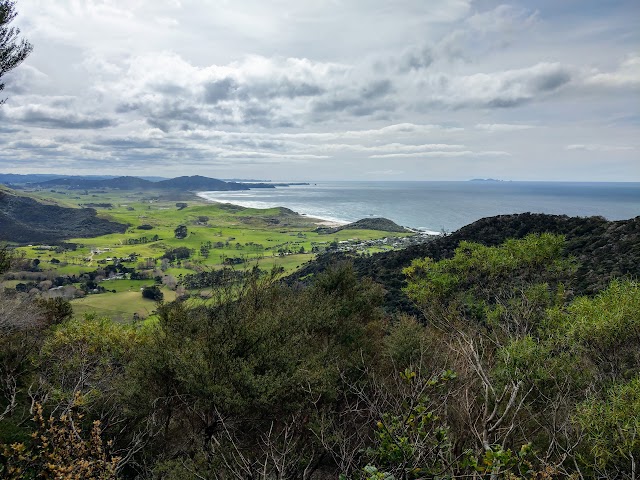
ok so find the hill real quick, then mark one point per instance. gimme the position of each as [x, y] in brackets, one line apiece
[382, 224]
[604, 250]
[80, 183]
[22, 179]
[25, 220]
[198, 182]
[191, 183]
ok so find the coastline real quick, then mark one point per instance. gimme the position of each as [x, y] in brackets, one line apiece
[318, 220]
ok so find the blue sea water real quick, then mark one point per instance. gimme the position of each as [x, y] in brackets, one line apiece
[438, 206]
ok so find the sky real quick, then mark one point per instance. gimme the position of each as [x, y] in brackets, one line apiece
[327, 90]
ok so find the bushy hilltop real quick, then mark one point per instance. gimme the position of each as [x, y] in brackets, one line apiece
[603, 250]
[24, 219]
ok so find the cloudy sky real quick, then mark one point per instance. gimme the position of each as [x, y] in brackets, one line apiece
[327, 89]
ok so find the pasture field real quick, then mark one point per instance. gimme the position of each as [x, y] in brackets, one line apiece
[217, 235]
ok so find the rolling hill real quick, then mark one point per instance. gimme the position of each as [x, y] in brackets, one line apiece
[24, 220]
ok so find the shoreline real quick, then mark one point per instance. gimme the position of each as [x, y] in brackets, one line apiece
[320, 221]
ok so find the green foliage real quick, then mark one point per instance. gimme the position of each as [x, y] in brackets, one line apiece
[506, 288]
[178, 253]
[5, 258]
[268, 379]
[407, 343]
[604, 325]
[180, 232]
[414, 442]
[477, 266]
[86, 356]
[153, 293]
[55, 310]
[612, 430]
[259, 352]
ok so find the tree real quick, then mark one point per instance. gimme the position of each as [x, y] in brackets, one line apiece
[153, 293]
[12, 50]
[180, 231]
[55, 310]
[5, 257]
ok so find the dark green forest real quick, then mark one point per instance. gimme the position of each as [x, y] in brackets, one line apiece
[511, 351]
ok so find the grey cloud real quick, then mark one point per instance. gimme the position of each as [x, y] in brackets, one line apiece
[504, 102]
[417, 59]
[284, 88]
[377, 89]
[127, 107]
[47, 117]
[368, 100]
[505, 89]
[331, 105]
[219, 90]
[7, 128]
[34, 144]
[125, 143]
[231, 89]
[169, 89]
[551, 81]
[255, 143]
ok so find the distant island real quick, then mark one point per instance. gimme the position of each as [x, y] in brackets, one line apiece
[487, 180]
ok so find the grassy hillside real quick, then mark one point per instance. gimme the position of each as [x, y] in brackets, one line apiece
[23, 219]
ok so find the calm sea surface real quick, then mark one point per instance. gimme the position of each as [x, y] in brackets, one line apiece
[437, 206]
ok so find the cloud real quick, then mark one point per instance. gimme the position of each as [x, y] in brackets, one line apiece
[33, 144]
[461, 153]
[504, 19]
[24, 79]
[50, 117]
[322, 84]
[502, 127]
[595, 147]
[627, 75]
[172, 94]
[416, 59]
[501, 89]
[386, 172]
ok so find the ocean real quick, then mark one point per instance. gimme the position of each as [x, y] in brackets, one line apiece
[442, 206]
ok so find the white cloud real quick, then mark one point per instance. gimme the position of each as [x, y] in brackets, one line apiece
[627, 75]
[502, 127]
[437, 154]
[595, 147]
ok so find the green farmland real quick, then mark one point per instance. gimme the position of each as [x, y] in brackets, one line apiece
[213, 235]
